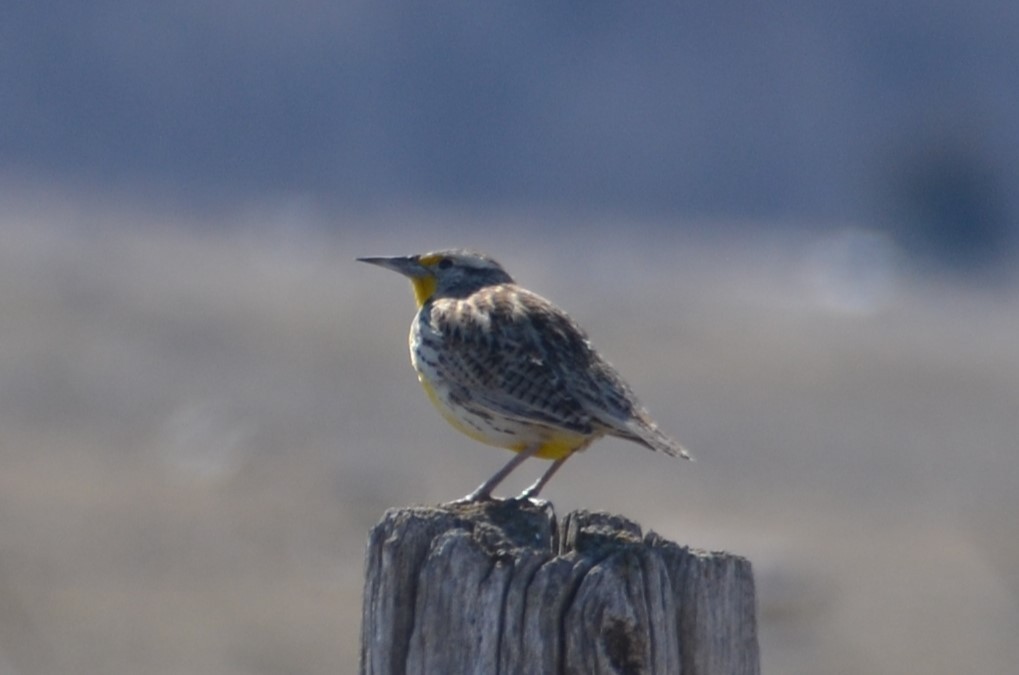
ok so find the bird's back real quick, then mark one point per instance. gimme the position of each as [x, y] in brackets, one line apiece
[508, 352]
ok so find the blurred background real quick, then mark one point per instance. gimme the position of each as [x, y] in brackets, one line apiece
[793, 227]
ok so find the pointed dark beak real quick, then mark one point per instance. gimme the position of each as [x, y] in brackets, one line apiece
[408, 266]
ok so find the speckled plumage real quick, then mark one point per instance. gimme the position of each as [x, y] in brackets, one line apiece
[509, 368]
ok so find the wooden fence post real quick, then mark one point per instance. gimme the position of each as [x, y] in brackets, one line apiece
[500, 587]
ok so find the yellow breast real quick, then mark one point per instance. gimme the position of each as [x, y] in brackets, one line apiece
[506, 433]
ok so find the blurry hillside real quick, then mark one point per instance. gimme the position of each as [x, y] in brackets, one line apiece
[200, 423]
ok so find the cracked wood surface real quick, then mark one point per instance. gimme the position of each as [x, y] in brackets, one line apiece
[503, 587]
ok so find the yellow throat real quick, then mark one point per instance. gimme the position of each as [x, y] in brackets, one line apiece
[424, 288]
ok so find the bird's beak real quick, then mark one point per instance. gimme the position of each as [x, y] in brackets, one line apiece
[408, 266]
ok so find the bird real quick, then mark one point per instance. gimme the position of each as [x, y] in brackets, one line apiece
[510, 369]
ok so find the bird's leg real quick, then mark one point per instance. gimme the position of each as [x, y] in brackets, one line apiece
[532, 492]
[484, 491]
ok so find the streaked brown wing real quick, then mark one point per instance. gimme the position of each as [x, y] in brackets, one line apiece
[532, 365]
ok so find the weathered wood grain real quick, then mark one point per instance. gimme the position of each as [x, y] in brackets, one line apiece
[501, 587]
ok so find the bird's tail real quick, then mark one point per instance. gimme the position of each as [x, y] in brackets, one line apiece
[647, 433]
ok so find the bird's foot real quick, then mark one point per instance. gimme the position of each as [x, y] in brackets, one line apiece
[523, 498]
[474, 498]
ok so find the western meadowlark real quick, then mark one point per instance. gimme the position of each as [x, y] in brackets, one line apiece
[508, 368]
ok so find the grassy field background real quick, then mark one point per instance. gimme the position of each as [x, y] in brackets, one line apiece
[200, 420]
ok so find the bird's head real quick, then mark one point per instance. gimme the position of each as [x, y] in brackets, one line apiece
[445, 274]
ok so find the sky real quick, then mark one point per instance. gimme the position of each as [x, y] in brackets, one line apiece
[902, 117]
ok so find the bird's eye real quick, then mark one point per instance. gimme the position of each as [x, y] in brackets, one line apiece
[445, 264]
